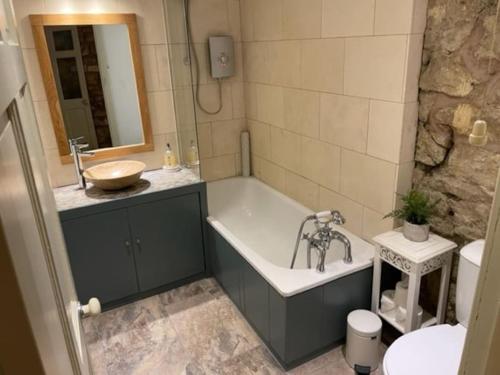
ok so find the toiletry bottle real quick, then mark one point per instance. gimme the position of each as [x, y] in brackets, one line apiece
[170, 161]
[192, 155]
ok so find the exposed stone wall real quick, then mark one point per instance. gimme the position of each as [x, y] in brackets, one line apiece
[459, 83]
[94, 85]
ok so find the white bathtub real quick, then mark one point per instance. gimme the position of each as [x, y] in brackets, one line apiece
[262, 225]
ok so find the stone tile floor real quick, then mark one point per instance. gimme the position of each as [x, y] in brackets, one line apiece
[191, 330]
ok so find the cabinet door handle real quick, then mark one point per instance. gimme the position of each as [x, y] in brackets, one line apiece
[127, 245]
[138, 243]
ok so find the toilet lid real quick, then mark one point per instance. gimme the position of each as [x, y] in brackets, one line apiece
[432, 350]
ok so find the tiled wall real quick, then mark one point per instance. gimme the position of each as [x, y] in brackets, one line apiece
[331, 101]
[156, 67]
[218, 135]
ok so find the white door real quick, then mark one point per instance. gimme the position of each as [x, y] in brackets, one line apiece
[67, 64]
[30, 222]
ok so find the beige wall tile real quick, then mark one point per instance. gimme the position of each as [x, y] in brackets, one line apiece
[367, 180]
[205, 148]
[412, 75]
[301, 109]
[176, 22]
[393, 16]
[238, 62]
[267, 19]
[22, 9]
[374, 224]
[161, 108]
[150, 66]
[302, 190]
[150, 20]
[208, 17]
[250, 100]
[226, 136]
[285, 149]
[320, 162]
[246, 11]
[163, 63]
[352, 211]
[256, 163]
[233, 16]
[351, 175]
[45, 127]
[218, 167]
[260, 139]
[404, 177]
[375, 67]
[284, 61]
[409, 136]
[347, 17]
[256, 62]
[385, 130]
[270, 105]
[182, 76]
[378, 184]
[344, 121]
[34, 75]
[238, 96]
[322, 66]
[302, 19]
[272, 175]
[419, 16]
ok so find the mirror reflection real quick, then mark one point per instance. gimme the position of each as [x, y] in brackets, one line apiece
[96, 84]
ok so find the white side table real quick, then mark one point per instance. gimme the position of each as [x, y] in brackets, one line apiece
[415, 259]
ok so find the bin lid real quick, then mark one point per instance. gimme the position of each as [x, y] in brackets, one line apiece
[364, 323]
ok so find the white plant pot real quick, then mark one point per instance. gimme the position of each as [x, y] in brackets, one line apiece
[416, 233]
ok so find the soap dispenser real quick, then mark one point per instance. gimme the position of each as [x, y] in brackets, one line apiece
[192, 155]
[170, 161]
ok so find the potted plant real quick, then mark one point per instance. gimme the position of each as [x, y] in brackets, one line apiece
[416, 211]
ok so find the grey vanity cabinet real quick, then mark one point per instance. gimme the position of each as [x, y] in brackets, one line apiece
[127, 249]
[101, 256]
[168, 239]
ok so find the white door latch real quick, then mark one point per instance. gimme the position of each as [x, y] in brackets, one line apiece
[93, 307]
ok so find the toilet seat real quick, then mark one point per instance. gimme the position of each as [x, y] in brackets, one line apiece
[432, 350]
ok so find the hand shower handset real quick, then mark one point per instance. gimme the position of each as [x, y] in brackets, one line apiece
[322, 237]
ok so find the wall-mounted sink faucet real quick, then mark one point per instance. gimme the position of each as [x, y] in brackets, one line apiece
[322, 237]
[76, 147]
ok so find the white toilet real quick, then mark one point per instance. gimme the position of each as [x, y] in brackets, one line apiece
[438, 349]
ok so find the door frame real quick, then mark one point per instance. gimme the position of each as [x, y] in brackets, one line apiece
[482, 344]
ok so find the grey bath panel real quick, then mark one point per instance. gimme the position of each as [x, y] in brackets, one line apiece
[304, 324]
[255, 292]
[101, 262]
[296, 328]
[168, 240]
[227, 267]
[342, 296]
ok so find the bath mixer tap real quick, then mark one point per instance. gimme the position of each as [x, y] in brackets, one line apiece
[322, 237]
[76, 149]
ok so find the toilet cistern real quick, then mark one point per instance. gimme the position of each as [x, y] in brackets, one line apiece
[321, 238]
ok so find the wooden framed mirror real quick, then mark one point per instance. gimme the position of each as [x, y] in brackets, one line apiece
[93, 76]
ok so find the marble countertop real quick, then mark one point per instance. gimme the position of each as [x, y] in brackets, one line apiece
[70, 197]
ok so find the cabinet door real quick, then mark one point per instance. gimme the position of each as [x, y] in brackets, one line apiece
[101, 256]
[168, 240]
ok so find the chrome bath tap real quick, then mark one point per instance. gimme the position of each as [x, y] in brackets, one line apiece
[321, 239]
[76, 149]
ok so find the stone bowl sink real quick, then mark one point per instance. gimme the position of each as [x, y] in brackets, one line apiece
[115, 175]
